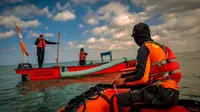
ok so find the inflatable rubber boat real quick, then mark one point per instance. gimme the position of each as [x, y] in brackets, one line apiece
[97, 99]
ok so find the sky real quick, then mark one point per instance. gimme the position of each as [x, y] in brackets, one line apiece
[96, 25]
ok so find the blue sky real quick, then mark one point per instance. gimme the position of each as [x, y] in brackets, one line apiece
[96, 25]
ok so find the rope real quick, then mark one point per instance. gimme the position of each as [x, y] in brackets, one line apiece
[115, 89]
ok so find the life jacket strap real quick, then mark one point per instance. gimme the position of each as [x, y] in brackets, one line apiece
[160, 63]
[166, 74]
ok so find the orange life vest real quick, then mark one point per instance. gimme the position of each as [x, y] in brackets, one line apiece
[82, 56]
[42, 44]
[165, 70]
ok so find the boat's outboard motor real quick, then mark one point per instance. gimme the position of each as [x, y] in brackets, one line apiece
[22, 66]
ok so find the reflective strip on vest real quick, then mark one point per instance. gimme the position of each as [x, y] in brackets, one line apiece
[160, 63]
[166, 74]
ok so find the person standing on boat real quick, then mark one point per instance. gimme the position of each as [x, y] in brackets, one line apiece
[157, 69]
[82, 57]
[41, 45]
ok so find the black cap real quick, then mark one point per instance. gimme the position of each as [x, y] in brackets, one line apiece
[41, 35]
[141, 33]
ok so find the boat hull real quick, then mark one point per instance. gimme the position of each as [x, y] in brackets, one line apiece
[54, 72]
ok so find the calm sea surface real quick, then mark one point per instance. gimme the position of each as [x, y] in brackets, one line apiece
[48, 96]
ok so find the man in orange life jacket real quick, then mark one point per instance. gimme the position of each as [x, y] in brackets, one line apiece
[41, 45]
[157, 70]
[82, 57]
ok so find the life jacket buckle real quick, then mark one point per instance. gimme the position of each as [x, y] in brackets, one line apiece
[166, 74]
[162, 63]
[171, 72]
[168, 61]
[159, 64]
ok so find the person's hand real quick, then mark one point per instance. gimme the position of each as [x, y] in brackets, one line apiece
[85, 53]
[120, 82]
[116, 78]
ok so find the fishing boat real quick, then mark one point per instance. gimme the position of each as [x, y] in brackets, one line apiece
[58, 72]
[97, 99]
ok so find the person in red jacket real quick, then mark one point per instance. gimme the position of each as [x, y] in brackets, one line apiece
[157, 70]
[41, 45]
[82, 57]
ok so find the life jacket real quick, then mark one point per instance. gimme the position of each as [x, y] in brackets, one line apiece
[42, 44]
[166, 69]
[82, 56]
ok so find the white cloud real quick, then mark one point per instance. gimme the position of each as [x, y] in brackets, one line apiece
[36, 34]
[33, 34]
[121, 34]
[81, 26]
[156, 38]
[114, 47]
[14, 1]
[85, 32]
[49, 35]
[71, 44]
[91, 17]
[91, 40]
[118, 19]
[154, 6]
[180, 22]
[130, 43]
[80, 46]
[92, 21]
[64, 16]
[7, 21]
[124, 20]
[112, 9]
[46, 12]
[93, 47]
[102, 39]
[84, 1]
[117, 31]
[115, 13]
[7, 34]
[21, 11]
[118, 15]
[27, 11]
[178, 26]
[59, 7]
[100, 30]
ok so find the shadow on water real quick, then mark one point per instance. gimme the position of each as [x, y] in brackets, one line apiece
[29, 86]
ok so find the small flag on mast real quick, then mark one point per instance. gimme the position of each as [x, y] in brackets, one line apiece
[23, 47]
[18, 31]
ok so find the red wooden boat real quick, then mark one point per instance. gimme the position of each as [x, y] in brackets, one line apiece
[27, 72]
